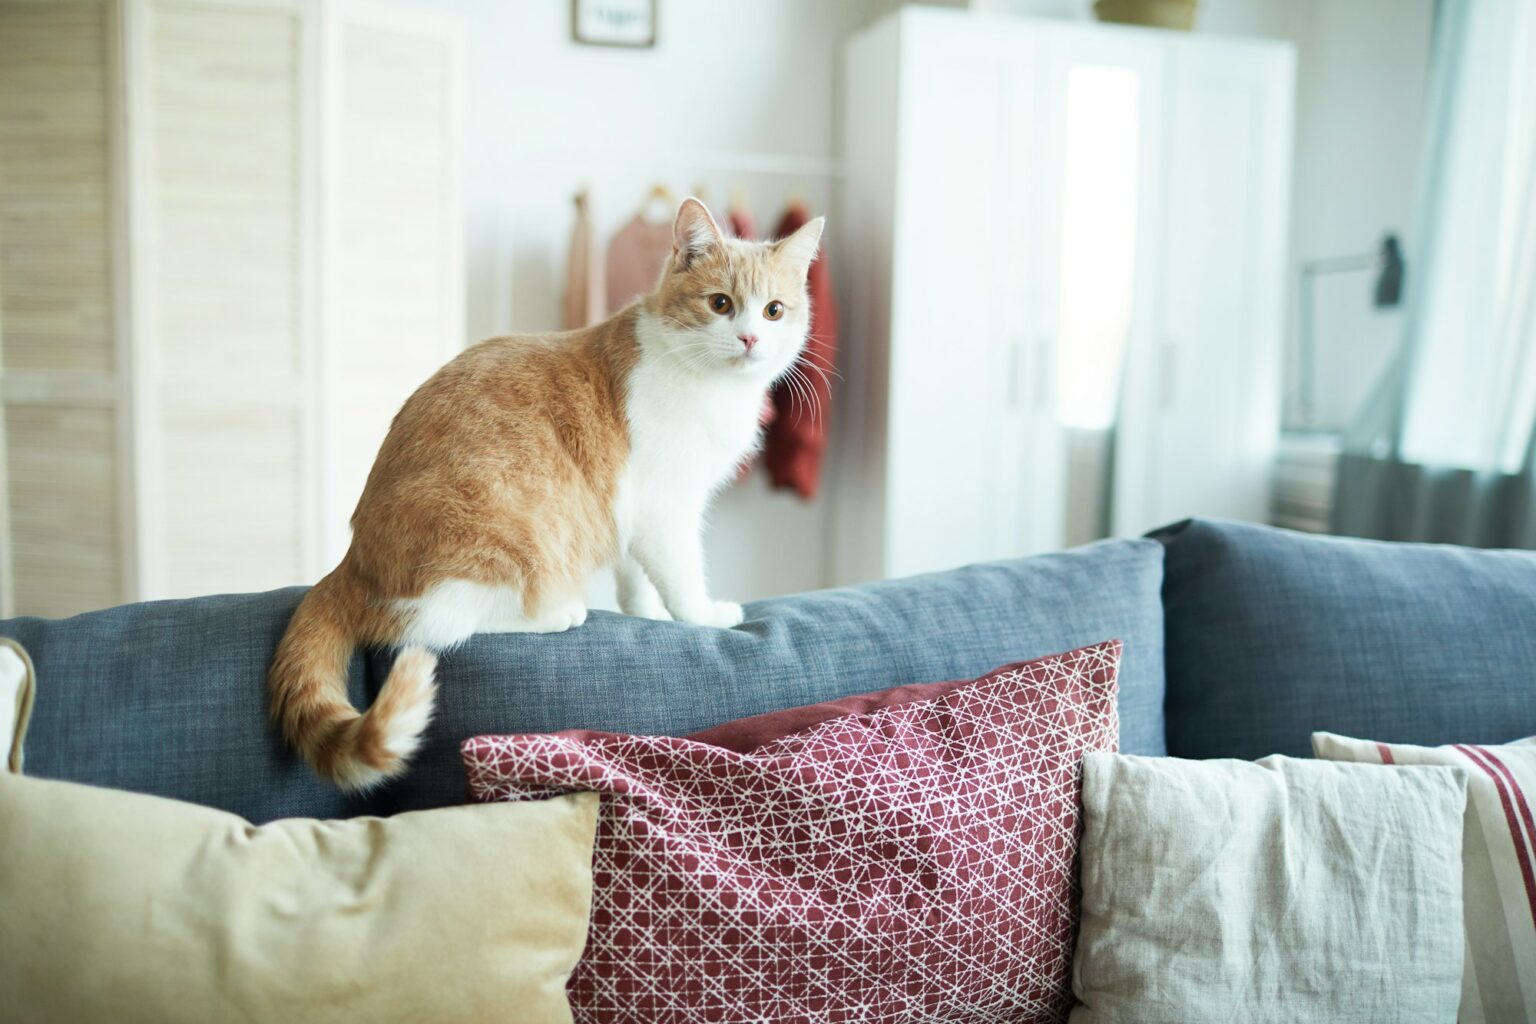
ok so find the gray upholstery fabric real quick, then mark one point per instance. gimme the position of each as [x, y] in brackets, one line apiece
[1273, 635]
[620, 674]
[169, 697]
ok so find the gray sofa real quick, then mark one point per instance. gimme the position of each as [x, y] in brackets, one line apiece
[1239, 641]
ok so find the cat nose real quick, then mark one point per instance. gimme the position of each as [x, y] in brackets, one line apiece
[748, 340]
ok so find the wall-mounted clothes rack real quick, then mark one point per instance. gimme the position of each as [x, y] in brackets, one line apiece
[662, 164]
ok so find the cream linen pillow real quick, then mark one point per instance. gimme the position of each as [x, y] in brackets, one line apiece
[122, 907]
[1268, 892]
[1498, 984]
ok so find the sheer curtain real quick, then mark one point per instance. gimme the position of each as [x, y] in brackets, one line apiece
[1446, 451]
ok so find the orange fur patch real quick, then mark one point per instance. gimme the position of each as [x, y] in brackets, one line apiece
[501, 470]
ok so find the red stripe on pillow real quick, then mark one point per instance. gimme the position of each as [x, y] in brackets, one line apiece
[1386, 753]
[1519, 792]
[1504, 782]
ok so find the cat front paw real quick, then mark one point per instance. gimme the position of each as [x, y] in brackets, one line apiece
[721, 614]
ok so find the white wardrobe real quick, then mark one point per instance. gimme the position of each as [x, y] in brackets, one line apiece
[1071, 241]
[229, 248]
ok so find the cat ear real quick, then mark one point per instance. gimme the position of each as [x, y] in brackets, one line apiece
[693, 233]
[800, 247]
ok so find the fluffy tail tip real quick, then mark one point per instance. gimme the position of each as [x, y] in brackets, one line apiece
[378, 745]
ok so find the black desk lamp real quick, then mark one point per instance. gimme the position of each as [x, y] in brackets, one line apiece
[1386, 261]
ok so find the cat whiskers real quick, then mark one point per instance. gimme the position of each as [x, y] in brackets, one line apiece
[683, 339]
[811, 359]
[693, 355]
[826, 379]
[806, 396]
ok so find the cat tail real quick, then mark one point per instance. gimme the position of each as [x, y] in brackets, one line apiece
[308, 686]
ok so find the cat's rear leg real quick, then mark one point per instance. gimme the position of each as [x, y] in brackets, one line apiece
[555, 613]
[452, 611]
[445, 615]
[557, 616]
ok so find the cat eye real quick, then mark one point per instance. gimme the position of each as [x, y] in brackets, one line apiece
[720, 303]
[773, 310]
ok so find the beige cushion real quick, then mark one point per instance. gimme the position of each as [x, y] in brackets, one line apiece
[122, 907]
[1275, 891]
[1499, 861]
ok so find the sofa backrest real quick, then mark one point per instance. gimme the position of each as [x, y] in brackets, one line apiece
[1272, 635]
[169, 697]
[621, 674]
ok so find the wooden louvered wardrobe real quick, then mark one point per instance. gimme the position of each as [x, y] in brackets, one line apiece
[229, 248]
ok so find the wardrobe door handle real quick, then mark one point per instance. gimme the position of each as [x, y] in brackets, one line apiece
[1045, 351]
[1015, 364]
[1168, 375]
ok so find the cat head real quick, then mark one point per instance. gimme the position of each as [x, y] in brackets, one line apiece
[729, 306]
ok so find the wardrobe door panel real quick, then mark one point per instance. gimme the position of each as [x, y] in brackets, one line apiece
[229, 248]
[948, 367]
[62, 479]
[61, 542]
[229, 498]
[1207, 433]
[226, 95]
[227, 296]
[55, 231]
[1028, 448]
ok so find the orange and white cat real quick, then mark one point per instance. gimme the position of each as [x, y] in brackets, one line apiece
[527, 463]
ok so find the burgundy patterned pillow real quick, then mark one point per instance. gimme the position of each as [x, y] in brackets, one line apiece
[911, 861]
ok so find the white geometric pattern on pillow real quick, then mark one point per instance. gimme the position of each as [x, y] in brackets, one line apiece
[913, 864]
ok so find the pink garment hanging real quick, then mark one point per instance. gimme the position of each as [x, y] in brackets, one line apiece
[636, 256]
[584, 305]
[741, 222]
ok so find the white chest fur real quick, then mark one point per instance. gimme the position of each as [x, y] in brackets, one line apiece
[688, 432]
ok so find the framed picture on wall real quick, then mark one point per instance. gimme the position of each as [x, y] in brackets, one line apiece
[614, 22]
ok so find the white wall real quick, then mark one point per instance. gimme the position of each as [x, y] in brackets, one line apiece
[742, 95]
[1361, 74]
[736, 95]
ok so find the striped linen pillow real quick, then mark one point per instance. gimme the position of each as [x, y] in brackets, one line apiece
[1499, 859]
